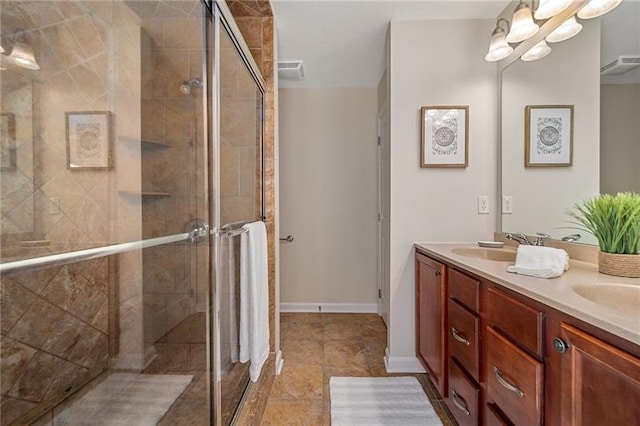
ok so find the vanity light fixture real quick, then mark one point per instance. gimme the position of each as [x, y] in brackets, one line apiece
[568, 29]
[21, 53]
[1, 49]
[522, 25]
[498, 46]
[548, 8]
[595, 8]
[539, 51]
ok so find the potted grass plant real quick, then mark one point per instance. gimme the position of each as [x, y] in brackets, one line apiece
[615, 222]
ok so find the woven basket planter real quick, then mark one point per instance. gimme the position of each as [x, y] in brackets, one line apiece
[620, 265]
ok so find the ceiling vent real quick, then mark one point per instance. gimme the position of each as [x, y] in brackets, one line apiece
[291, 70]
[621, 65]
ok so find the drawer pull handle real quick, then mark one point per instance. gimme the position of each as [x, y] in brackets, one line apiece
[456, 335]
[459, 402]
[506, 384]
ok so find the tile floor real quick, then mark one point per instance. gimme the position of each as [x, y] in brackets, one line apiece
[318, 346]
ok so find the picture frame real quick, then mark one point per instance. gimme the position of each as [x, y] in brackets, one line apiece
[548, 133]
[89, 140]
[8, 147]
[444, 138]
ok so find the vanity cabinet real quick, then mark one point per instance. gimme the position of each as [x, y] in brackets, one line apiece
[430, 319]
[600, 384]
[505, 359]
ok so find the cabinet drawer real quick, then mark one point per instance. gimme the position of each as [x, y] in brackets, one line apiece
[464, 330]
[464, 397]
[494, 418]
[513, 318]
[464, 289]
[513, 380]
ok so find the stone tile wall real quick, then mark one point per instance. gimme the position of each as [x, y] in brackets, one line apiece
[58, 330]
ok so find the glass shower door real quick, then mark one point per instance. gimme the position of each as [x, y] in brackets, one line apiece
[106, 297]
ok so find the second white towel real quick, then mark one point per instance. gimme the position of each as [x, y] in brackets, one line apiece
[254, 298]
[541, 262]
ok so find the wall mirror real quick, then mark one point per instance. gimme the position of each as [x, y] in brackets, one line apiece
[606, 141]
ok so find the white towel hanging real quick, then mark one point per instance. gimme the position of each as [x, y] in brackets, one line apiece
[254, 298]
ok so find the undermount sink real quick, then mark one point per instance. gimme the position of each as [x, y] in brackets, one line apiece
[624, 298]
[498, 255]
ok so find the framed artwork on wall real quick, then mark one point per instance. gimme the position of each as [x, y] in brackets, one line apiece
[444, 138]
[7, 141]
[548, 136]
[89, 144]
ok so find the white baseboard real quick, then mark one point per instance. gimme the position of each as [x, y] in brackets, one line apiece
[279, 363]
[356, 308]
[402, 364]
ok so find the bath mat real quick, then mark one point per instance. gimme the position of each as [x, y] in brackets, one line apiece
[125, 399]
[380, 401]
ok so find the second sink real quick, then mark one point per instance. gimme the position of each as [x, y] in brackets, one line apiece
[624, 298]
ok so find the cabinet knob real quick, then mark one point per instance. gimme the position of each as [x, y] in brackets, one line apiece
[438, 273]
[560, 345]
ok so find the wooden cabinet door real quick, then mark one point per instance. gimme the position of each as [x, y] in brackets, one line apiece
[600, 383]
[430, 319]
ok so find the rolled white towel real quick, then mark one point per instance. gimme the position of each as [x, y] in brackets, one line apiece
[541, 262]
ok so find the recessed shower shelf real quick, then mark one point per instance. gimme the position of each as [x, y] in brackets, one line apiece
[144, 193]
[146, 143]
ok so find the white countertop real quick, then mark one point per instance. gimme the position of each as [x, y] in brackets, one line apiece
[555, 292]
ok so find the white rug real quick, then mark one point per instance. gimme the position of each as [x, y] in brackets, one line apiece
[125, 399]
[380, 401]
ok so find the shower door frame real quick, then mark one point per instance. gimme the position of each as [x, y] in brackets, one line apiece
[222, 20]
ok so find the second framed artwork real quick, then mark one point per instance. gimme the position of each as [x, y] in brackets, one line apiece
[445, 136]
[548, 136]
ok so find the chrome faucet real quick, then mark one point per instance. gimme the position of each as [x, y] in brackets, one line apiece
[522, 238]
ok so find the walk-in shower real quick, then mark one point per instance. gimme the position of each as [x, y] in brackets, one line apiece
[111, 308]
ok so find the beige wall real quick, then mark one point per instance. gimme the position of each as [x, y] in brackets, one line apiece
[435, 204]
[568, 76]
[328, 195]
[619, 138]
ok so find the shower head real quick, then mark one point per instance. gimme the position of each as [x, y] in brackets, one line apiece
[187, 85]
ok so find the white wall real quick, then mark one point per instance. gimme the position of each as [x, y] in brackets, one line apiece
[328, 142]
[569, 75]
[436, 63]
[620, 138]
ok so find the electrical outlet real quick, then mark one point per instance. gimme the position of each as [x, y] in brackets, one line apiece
[507, 204]
[483, 204]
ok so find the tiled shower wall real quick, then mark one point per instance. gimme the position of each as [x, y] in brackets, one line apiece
[172, 172]
[59, 328]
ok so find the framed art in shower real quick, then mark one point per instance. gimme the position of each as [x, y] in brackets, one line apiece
[89, 144]
[548, 136]
[7, 141]
[444, 138]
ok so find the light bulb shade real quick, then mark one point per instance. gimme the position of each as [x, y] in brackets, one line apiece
[498, 47]
[549, 8]
[538, 51]
[1, 49]
[522, 25]
[22, 56]
[595, 8]
[568, 29]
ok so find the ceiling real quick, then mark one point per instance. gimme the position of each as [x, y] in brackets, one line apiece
[342, 41]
